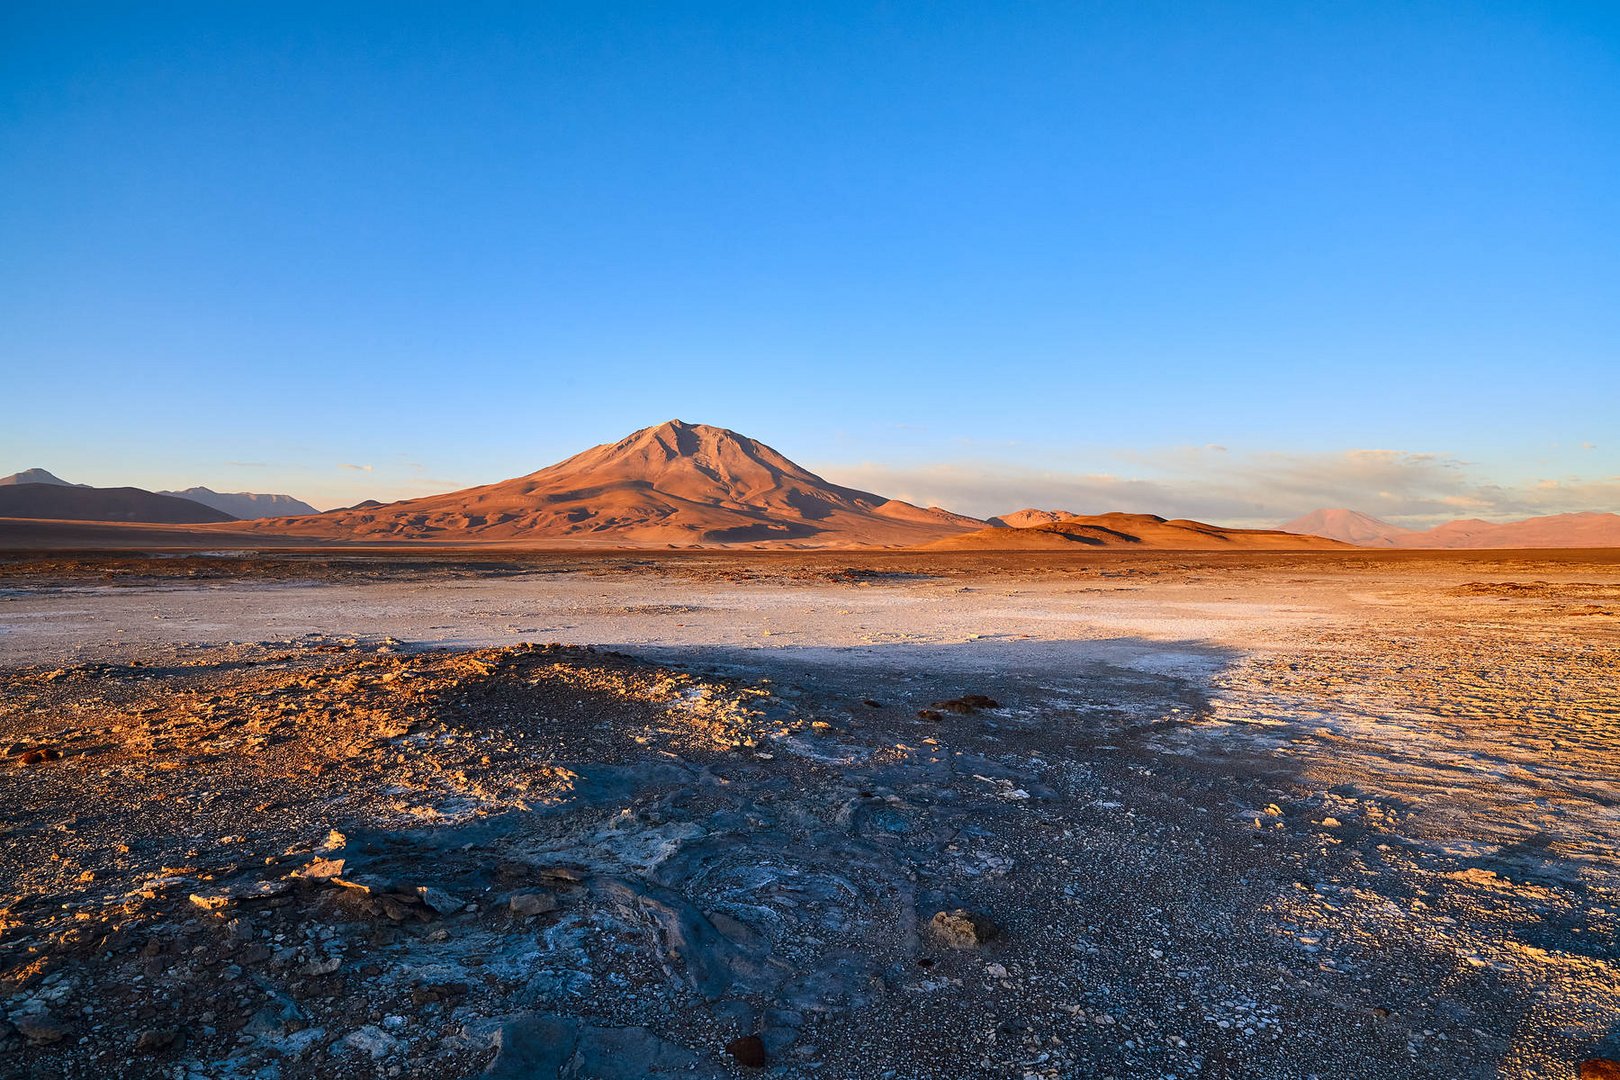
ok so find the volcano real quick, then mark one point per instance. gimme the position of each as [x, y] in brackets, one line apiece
[676, 484]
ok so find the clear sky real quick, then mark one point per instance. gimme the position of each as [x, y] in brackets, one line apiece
[1240, 260]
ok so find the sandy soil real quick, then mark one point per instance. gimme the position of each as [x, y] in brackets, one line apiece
[1272, 816]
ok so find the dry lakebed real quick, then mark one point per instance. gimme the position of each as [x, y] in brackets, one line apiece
[840, 815]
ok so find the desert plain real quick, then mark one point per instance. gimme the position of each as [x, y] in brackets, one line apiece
[438, 813]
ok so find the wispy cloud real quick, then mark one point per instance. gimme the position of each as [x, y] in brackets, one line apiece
[1212, 483]
[356, 468]
[249, 464]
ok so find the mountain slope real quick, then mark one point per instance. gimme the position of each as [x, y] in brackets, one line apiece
[674, 484]
[64, 503]
[1351, 526]
[1133, 531]
[245, 504]
[35, 476]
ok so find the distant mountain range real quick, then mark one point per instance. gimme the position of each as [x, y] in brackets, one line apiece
[692, 485]
[245, 504]
[1587, 530]
[117, 504]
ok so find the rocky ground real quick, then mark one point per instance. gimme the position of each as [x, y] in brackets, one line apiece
[1342, 853]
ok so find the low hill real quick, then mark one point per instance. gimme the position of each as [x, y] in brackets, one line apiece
[64, 503]
[1020, 519]
[1131, 531]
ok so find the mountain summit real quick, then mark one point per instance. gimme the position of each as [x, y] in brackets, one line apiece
[674, 484]
[35, 476]
[1351, 526]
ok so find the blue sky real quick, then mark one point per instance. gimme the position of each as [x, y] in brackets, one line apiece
[1235, 259]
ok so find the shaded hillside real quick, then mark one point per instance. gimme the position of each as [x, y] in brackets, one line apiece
[64, 503]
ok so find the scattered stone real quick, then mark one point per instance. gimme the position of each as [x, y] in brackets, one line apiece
[749, 1050]
[439, 900]
[528, 904]
[39, 755]
[153, 1040]
[929, 714]
[321, 869]
[963, 929]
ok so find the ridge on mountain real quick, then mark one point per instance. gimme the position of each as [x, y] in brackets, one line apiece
[245, 504]
[673, 484]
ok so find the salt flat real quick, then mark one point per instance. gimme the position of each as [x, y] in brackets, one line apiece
[1261, 815]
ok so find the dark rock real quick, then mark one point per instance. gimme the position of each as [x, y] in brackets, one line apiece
[40, 755]
[1599, 1069]
[870, 704]
[40, 1028]
[527, 904]
[967, 703]
[929, 714]
[154, 1039]
[748, 1050]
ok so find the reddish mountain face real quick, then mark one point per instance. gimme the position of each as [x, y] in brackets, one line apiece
[676, 484]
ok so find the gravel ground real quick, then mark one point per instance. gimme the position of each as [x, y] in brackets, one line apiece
[1271, 816]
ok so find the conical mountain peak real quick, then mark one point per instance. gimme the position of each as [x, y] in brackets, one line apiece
[675, 483]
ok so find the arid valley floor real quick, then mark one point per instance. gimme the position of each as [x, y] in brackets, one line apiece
[608, 815]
